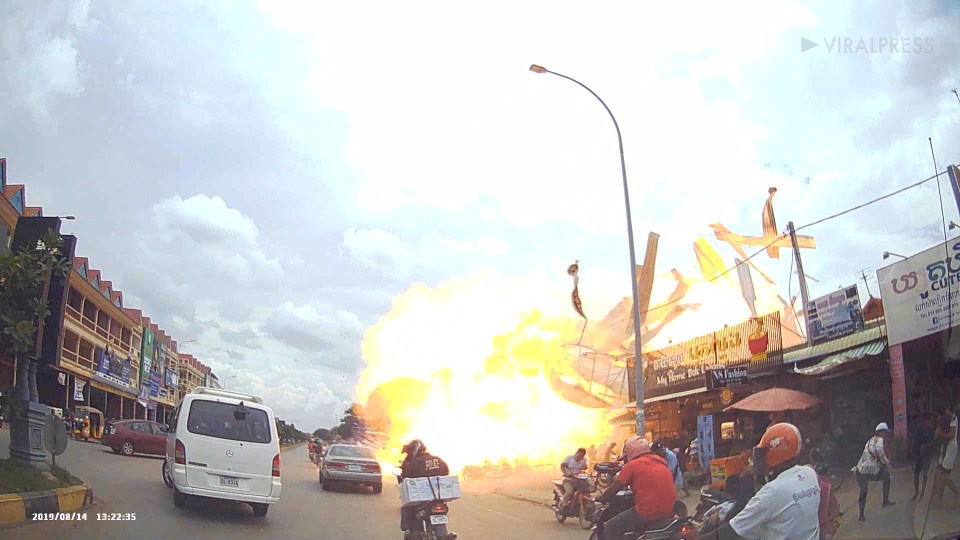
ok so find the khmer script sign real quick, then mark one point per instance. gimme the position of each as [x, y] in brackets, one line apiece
[921, 294]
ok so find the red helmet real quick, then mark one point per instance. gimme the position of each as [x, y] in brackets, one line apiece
[636, 447]
[780, 443]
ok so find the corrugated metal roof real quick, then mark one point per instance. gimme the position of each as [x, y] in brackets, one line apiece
[837, 345]
[834, 361]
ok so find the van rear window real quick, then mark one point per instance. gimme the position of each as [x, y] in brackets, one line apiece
[215, 419]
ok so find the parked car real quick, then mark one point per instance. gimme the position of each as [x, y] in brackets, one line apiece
[135, 437]
[350, 463]
[224, 445]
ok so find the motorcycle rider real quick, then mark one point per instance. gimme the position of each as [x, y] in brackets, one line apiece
[787, 506]
[419, 463]
[571, 466]
[654, 493]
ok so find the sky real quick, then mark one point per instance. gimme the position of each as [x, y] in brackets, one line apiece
[267, 177]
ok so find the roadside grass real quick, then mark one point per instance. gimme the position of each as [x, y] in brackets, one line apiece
[15, 478]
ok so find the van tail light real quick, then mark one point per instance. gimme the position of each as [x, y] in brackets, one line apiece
[276, 465]
[180, 454]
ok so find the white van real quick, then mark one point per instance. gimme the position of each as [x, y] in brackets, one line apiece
[224, 445]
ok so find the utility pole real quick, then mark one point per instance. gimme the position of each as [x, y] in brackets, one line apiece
[863, 274]
[804, 294]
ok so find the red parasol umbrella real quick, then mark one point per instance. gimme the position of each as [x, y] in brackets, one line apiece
[775, 399]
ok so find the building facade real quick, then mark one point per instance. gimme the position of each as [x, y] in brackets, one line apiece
[110, 356]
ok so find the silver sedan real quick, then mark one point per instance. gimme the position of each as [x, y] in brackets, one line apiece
[353, 464]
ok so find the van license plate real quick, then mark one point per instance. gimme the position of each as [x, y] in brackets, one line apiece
[229, 481]
[354, 468]
[439, 520]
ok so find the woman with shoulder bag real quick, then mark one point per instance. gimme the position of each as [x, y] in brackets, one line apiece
[874, 465]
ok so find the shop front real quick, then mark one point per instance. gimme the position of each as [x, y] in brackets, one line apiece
[921, 304]
[689, 386]
[852, 378]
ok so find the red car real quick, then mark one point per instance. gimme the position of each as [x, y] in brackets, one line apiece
[135, 437]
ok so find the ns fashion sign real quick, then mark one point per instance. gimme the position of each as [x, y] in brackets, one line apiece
[921, 294]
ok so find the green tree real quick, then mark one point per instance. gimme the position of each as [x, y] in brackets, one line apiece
[24, 281]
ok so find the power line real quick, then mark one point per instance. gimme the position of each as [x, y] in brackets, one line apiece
[868, 203]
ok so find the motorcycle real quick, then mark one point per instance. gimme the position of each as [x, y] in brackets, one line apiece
[605, 473]
[709, 498]
[431, 519]
[582, 505]
[679, 527]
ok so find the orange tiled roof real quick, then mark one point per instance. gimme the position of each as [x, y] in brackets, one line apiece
[78, 262]
[33, 211]
[12, 190]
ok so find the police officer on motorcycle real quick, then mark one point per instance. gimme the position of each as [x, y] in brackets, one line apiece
[419, 463]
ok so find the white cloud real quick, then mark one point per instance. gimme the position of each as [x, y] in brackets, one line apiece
[330, 336]
[39, 52]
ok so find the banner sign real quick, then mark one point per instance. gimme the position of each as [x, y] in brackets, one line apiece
[78, 389]
[147, 354]
[112, 369]
[727, 378]
[172, 379]
[705, 440]
[921, 295]
[127, 368]
[155, 383]
[834, 315]
[144, 396]
[755, 345]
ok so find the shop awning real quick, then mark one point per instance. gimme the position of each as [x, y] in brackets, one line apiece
[835, 346]
[836, 360]
[685, 393]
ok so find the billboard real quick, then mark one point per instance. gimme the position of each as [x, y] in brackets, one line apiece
[156, 380]
[834, 315]
[147, 354]
[921, 294]
[172, 379]
[754, 344]
[112, 369]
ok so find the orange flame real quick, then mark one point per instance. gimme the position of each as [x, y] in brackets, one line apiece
[468, 368]
[447, 365]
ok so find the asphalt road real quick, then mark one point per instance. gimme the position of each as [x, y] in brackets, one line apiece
[134, 486]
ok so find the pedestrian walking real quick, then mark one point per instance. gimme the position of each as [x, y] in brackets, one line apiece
[874, 466]
[924, 450]
[948, 458]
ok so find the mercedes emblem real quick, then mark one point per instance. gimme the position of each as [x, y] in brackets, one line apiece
[229, 453]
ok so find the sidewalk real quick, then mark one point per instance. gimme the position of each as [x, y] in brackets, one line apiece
[904, 521]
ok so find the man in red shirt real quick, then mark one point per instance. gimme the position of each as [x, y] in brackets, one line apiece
[650, 480]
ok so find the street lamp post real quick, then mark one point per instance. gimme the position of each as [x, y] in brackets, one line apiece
[888, 254]
[638, 341]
